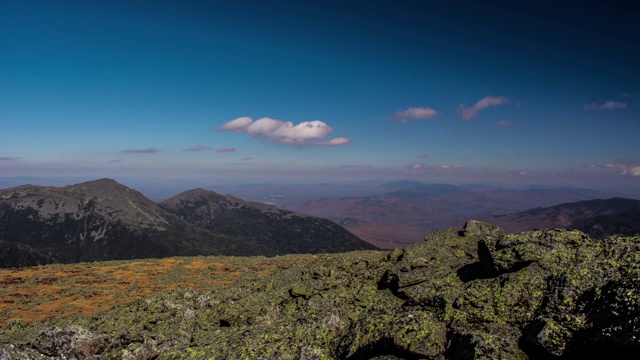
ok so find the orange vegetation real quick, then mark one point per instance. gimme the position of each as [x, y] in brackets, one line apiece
[44, 292]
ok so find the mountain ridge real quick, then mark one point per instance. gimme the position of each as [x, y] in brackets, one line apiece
[105, 220]
[285, 230]
[598, 217]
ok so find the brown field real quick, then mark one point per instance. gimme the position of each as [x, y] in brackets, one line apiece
[45, 292]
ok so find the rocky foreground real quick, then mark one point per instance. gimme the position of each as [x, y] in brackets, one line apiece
[471, 294]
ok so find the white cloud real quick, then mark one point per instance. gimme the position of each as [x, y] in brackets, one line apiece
[414, 114]
[470, 113]
[423, 155]
[333, 142]
[415, 168]
[285, 132]
[237, 124]
[609, 105]
[625, 169]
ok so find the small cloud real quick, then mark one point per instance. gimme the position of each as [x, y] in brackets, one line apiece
[7, 158]
[196, 148]
[238, 125]
[625, 170]
[630, 95]
[333, 142]
[115, 161]
[521, 173]
[140, 151]
[423, 156]
[503, 123]
[285, 132]
[246, 159]
[226, 149]
[470, 113]
[609, 105]
[414, 114]
[416, 168]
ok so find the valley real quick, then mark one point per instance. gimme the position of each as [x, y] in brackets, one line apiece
[397, 214]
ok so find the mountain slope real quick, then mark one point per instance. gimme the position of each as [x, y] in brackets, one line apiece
[281, 231]
[104, 220]
[16, 255]
[598, 218]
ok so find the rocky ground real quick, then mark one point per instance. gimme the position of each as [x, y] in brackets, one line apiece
[472, 293]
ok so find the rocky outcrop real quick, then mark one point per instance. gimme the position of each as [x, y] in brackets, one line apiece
[474, 293]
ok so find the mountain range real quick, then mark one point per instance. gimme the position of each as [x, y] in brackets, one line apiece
[397, 214]
[104, 220]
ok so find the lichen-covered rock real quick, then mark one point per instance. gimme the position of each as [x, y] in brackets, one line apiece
[471, 294]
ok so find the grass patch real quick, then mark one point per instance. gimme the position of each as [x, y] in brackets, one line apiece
[44, 292]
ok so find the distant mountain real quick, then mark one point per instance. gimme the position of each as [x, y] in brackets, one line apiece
[421, 187]
[279, 230]
[598, 218]
[403, 212]
[104, 220]
[413, 189]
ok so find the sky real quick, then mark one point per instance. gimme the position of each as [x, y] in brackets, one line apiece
[249, 91]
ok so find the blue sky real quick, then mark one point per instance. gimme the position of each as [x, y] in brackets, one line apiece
[438, 91]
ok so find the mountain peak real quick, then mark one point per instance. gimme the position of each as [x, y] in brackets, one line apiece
[105, 220]
[100, 186]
